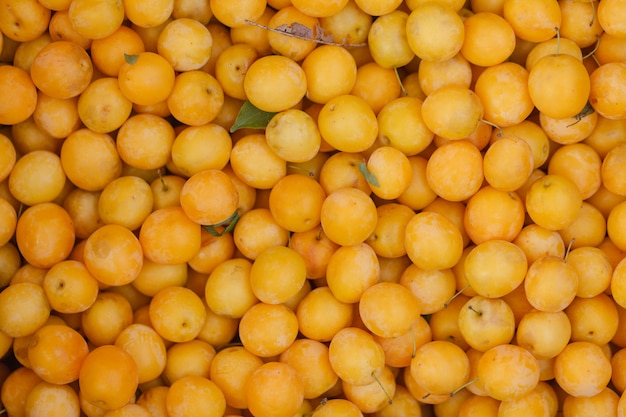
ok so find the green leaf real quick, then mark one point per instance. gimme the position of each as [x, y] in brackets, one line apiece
[229, 223]
[586, 111]
[371, 178]
[131, 59]
[250, 116]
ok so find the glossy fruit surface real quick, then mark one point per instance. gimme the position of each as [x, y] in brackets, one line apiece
[303, 208]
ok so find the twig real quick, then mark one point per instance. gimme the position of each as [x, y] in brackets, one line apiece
[305, 33]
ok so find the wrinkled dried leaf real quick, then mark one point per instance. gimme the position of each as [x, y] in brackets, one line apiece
[300, 31]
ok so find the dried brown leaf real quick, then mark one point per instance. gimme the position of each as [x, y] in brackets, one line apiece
[300, 31]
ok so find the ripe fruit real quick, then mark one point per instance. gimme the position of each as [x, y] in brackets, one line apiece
[102, 107]
[267, 330]
[230, 369]
[148, 17]
[608, 102]
[277, 274]
[535, 21]
[588, 229]
[338, 406]
[219, 208]
[316, 249]
[370, 73]
[355, 356]
[452, 112]
[388, 309]
[544, 334]
[37, 177]
[348, 123]
[197, 395]
[534, 402]
[330, 72]
[400, 125]
[321, 316]
[177, 314]
[254, 162]
[320, 10]
[274, 389]
[423, 230]
[489, 39]
[310, 359]
[508, 372]
[432, 75]
[551, 284]
[147, 349]
[487, 272]
[348, 216]
[146, 78]
[105, 319]
[432, 288]
[564, 131]
[185, 43]
[450, 373]
[107, 54]
[85, 152]
[582, 369]
[454, 171]
[272, 77]
[52, 400]
[605, 401]
[493, 213]
[553, 46]
[24, 21]
[351, 24]
[256, 231]
[609, 16]
[228, 291]
[387, 40]
[45, 234]
[62, 69]
[435, 32]
[342, 264]
[56, 353]
[546, 194]
[15, 81]
[113, 240]
[581, 310]
[98, 20]
[612, 162]
[191, 358]
[310, 208]
[378, 8]
[126, 201]
[235, 14]
[342, 169]
[559, 74]
[301, 217]
[108, 378]
[169, 236]
[594, 270]
[581, 164]
[392, 171]
[374, 396]
[293, 135]
[296, 48]
[486, 322]
[503, 91]
[399, 350]
[25, 293]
